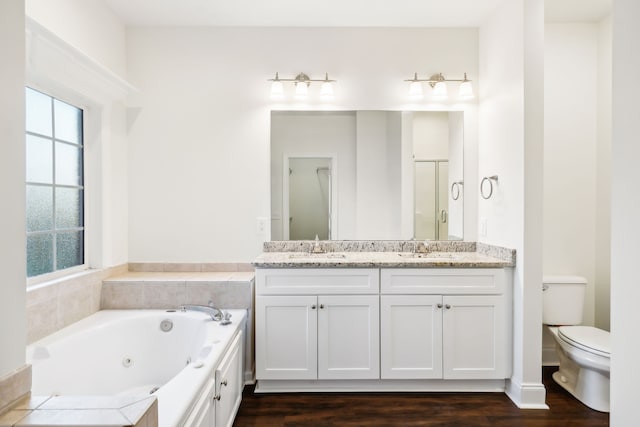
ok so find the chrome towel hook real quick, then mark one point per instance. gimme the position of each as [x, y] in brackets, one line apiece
[489, 180]
[456, 188]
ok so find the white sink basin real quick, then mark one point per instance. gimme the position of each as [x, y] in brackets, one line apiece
[303, 255]
[430, 255]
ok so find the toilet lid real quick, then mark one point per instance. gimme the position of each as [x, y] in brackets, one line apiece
[588, 338]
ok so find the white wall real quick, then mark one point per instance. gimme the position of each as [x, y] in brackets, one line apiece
[603, 179]
[199, 143]
[510, 146]
[13, 322]
[456, 173]
[378, 175]
[431, 136]
[570, 144]
[88, 25]
[625, 211]
[317, 135]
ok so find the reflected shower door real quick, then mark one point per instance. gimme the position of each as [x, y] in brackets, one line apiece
[443, 200]
[431, 199]
[309, 198]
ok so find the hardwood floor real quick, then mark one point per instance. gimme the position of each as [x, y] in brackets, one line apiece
[413, 409]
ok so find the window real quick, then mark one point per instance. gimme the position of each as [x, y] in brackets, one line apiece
[54, 184]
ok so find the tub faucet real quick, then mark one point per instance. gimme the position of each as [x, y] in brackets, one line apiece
[215, 313]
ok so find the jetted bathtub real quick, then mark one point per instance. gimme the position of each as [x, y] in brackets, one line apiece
[166, 353]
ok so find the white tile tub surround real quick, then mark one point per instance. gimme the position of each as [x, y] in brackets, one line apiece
[53, 305]
[189, 267]
[67, 411]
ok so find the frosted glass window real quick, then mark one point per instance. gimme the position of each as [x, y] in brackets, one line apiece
[69, 250]
[39, 208]
[39, 113]
[68, 121]
[54, 184]
[68, 207]
[39, 159]
[40, 251]
[68, 164]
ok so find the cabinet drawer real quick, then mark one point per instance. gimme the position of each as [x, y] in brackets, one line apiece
[317, 281]
[444, 281]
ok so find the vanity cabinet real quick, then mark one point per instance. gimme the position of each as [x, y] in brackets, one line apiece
[311, 333]
[443, 336]
[445, 324]
[400, 329]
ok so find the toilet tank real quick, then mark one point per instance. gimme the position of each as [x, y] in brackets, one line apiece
[563, 299]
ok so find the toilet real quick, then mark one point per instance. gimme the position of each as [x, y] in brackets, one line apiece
[583, 351]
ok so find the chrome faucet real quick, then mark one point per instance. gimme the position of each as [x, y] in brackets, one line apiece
[316, 248]
[215, 313]
[422, 247]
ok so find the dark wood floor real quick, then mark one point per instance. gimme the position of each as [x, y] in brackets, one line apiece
[413, 409]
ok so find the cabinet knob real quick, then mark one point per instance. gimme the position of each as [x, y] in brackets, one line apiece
[447, 306]
[321, 305]
[439, 305]
[224, 382]
[313, 307]
[216, 397]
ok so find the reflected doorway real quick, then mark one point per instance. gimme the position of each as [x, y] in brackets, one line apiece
[309, 198]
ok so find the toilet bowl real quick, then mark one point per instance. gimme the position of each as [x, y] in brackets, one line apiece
[583, 351]
[584, 364]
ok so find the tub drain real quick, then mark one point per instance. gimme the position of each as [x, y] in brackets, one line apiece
[127, 361]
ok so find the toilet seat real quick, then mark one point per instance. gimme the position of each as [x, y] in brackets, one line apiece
[587, 338]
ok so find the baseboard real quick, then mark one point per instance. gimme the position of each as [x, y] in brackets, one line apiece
[526, 396]
[348, 386]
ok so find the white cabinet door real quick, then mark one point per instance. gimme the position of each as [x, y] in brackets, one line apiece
[411, 336]
[286, 338]
[348, 337]
[475, 334]
[203, 413]
[229, 384]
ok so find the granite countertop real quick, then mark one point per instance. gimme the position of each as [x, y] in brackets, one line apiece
[384, 254]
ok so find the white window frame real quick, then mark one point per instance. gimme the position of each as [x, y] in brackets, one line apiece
[58, 69]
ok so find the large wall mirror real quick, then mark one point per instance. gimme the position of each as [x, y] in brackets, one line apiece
[367, 175]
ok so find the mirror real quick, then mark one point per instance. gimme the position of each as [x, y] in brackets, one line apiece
[367, 175]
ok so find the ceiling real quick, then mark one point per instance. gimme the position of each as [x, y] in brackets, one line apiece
[335, 13]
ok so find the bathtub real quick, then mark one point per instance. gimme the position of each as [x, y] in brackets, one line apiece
[169, 354]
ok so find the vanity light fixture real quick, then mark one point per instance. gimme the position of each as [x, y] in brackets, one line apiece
[302, 82]
[439, 85]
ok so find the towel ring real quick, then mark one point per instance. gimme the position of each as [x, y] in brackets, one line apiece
[456, 189]
[490, 180]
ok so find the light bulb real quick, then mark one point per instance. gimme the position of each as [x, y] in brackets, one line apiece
[277, 90]
[440, 91]
[415, 90]
[301, 89]
[326, 90]
[466, 90]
